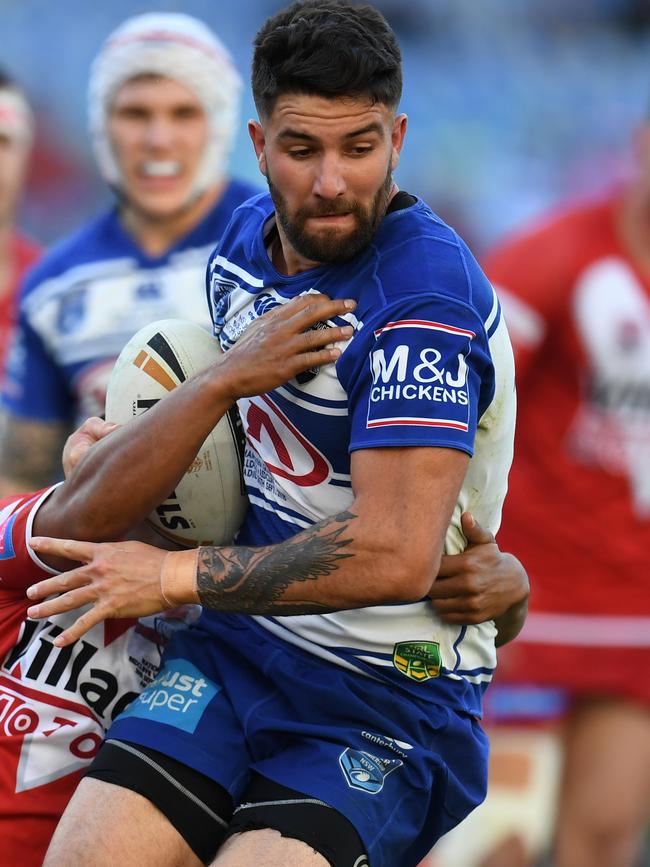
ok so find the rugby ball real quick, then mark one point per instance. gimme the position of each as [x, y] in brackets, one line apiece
[209, 503]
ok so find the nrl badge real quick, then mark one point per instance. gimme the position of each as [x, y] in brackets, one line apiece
[417, 660]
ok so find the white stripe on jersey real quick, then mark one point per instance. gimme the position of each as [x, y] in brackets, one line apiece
[493, 313]
[277, 509]
[237, 271]
[323, 410]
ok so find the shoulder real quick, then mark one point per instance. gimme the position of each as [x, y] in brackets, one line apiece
[238, 191]
[247, 220]
[93, 241]
[418, 254]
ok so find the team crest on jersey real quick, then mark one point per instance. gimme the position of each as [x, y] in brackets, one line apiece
[72, 309]
[366, 772]
[221, 289]
[417, 660]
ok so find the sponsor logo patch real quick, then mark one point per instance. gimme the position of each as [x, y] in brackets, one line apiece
[366, 772]
[178, 697]
[419, 375]
[284, 450]
[417, 660]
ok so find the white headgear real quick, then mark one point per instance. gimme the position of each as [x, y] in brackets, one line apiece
[174, 46]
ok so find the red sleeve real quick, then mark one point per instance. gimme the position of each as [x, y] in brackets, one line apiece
[19, 565]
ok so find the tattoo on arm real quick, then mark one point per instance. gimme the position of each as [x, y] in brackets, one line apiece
[254, 580]
[30, 453]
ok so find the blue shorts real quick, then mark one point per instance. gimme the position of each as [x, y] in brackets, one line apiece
[232, 698]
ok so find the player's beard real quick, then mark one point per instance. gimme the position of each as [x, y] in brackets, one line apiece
[329, 246]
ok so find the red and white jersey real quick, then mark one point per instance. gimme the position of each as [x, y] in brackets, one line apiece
[578, 507]
[55, 703]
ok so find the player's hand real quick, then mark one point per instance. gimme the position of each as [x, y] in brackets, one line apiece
[480, 584]
[78, 443]
[282, 343]
[118, 579]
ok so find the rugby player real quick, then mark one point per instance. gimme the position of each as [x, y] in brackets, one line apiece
[321, 711]
[163, 105]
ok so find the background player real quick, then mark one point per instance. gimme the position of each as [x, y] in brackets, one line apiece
[576, 291]
[329, 532]
[17, 252]
[163, 102]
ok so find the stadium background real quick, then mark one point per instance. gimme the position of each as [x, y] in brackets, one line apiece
[513, 104]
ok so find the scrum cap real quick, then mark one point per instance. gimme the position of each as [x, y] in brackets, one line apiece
[175, 46]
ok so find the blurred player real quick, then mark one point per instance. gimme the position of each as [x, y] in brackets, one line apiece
[576, 291]
[321, 711]
[17, 252]
[163, 102]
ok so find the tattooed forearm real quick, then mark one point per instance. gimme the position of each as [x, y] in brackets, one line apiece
[255, 580]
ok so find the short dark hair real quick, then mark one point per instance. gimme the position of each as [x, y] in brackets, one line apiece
[327, 48]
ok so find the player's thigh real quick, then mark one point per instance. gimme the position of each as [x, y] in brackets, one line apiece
[267, 848]
[104, 825]
[607, 751]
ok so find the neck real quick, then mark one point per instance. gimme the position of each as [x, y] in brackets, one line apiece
[155, 235]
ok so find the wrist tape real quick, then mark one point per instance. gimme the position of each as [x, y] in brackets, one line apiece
[178, 577]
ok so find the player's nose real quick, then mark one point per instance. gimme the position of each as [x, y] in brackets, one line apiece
[329, 181]
[159, 133]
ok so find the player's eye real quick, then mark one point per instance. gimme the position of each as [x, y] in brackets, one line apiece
[188, 111]
[132, 113]
[299, 153]
[360, 150]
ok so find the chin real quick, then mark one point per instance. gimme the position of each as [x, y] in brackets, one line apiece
[161, 210]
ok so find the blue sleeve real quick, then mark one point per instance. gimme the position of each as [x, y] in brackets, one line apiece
[417, 374]
[33, 385]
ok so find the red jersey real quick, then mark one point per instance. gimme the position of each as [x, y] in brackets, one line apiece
[23, 252]
[55, 703]
[577, 512]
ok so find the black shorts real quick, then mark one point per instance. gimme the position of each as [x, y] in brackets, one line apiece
[203, 813]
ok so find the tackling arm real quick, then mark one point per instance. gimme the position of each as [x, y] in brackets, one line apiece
[386, 548]
[124, 477]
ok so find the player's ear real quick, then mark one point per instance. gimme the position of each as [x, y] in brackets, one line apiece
[397, 138]
[256, 132]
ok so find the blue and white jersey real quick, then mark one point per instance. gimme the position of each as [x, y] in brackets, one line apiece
[88, 296]
[429, 364]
